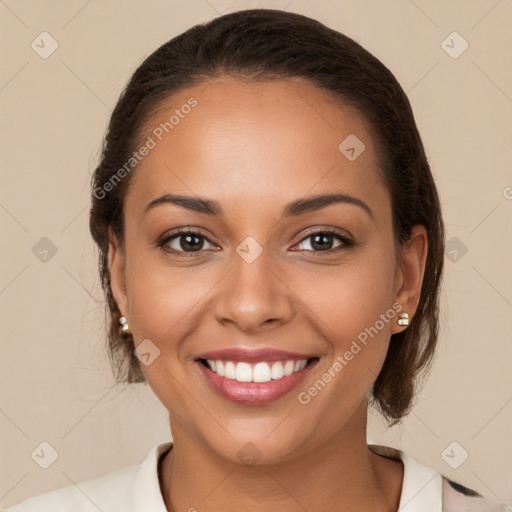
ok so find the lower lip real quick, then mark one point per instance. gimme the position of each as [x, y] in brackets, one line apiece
[254, 393]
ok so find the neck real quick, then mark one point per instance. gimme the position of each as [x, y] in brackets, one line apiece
[339, 474]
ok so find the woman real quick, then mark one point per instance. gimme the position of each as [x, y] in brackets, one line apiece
[271, 247]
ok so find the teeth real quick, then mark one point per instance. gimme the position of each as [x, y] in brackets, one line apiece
[243, 372]
[260, 372]
[229, 370]
[288, 368]
[277, 371]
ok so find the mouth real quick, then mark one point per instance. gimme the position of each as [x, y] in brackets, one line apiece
[263, 371]
[255, 381]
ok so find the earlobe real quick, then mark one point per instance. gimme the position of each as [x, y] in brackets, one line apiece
[412, 270]
[116, 267]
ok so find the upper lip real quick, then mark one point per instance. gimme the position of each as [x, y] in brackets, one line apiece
[253, 355]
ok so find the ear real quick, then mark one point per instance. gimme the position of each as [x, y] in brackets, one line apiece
[116, 266]
[409, 275]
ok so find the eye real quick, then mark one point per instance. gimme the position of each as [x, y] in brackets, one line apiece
[184, 241]
[322, 241]
[189, 242]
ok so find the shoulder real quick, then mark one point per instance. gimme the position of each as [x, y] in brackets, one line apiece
[119, 490]
[90, 495]
[424, 489]
[458, 498]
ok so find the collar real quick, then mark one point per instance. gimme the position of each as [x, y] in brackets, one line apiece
[421, 485]
[146, 489]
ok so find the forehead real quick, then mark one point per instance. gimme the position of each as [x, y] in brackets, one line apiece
[245, 142]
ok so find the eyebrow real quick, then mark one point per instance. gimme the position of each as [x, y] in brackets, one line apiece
[293, 209]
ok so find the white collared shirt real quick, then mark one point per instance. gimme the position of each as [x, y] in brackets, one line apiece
[136, 488]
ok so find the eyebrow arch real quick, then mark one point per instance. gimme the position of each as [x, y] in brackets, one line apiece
[293, 209]
[317, 202]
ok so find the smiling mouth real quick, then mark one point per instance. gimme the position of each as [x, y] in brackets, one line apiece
[258, 372]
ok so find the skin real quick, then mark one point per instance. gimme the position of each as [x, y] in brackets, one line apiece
[255, 147]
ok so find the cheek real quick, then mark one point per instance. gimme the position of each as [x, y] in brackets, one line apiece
[162, 301]
[165, 307]
[353, 307]
[352, 297]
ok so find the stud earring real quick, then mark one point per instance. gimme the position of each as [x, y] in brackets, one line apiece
[123, 321]
[403, 318]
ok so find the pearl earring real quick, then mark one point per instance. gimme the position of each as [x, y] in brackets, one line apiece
[123, 321]
[403, 318]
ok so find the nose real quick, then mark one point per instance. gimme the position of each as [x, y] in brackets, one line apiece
[254, 296]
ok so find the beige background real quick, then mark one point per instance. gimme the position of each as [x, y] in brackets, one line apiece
[55, 382]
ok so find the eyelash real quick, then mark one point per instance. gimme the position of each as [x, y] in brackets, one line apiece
[166, 239]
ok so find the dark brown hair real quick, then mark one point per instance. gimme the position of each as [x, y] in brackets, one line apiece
[264, 44]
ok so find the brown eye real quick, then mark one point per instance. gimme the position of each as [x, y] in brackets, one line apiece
[184, 241]
[322, 241]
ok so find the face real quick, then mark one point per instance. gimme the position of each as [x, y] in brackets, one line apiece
[266, 278]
